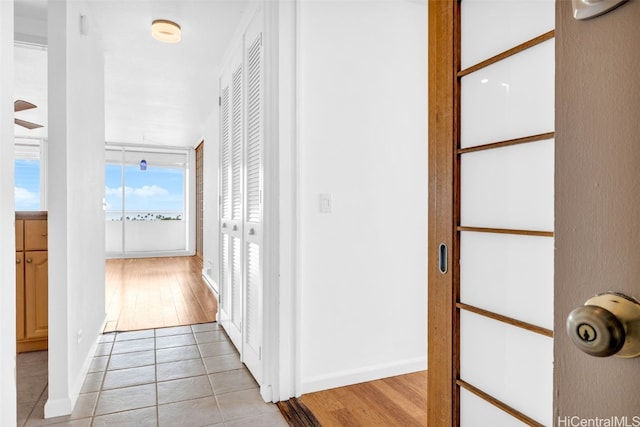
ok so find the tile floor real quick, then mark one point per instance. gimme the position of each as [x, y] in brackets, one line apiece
[182, 376]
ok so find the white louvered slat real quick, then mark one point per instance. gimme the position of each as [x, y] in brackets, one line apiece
[236, 145]
[225, 155]
[253, 335]
[254, 130]
[224, 273]
[236, 282]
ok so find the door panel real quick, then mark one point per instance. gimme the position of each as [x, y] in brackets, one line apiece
[508, 274]
[20, 294]
[492, 27]
[224, 297]
[479, 412]
[510, 98]
[236, 290]
[509, 187]
[231, 129]
[36, 294]
[598, 200]
[506, 189]
[253, 230]
[497, 117]
[508, 363]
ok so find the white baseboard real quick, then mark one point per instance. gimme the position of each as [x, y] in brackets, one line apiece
[58, 407]
[212, 285]
[360, 375]
[64, 406]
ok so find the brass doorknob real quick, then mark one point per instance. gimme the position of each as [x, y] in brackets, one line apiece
[608, 324]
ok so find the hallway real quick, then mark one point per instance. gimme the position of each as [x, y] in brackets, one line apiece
[186, 375]
[144, 293]
[162, 360]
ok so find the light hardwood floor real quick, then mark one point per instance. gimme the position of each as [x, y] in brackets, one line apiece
[145, 293]
[395, 401]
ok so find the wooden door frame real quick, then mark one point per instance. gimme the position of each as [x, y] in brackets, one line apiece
[443, 404]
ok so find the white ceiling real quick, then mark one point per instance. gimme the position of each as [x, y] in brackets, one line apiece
[157, 92]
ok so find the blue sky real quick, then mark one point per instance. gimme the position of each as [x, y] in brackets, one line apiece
[155, 189]
[27, 185]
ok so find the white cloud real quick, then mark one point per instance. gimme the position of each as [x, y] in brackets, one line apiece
[25, 198]
[142, 192]
[147, 191]
[108, 191]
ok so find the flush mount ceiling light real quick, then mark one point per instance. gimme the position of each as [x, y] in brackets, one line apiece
[165, 31]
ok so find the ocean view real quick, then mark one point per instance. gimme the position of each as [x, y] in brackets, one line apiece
[147, 215]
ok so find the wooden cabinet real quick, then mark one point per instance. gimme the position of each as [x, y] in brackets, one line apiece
[32, 285]
[19, 296]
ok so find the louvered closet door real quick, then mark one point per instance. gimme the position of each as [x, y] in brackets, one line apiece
[241, 181]
[252, 338]
[505, 160]
[231, 209]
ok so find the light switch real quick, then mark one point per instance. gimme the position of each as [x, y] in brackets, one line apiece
[325, 203]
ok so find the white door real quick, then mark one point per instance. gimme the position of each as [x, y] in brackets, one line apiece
[253, 233]
[241, 180]
[231, 197]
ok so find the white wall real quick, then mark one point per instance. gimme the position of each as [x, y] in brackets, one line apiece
[76, 185]
[210, 225]
[147, 238]
[362, 139]
[7, 224]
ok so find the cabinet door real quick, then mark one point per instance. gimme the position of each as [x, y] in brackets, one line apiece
[35, 235]
[19, 295]
[36, 294]
[19, 235]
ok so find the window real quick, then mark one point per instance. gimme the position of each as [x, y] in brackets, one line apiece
[30, 188]
[145, 209]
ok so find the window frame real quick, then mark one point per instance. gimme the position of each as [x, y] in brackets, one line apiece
[122, 151]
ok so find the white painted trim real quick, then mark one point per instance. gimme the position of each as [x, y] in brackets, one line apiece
[271, 214]
[296, 317]
[289, 202]
[281, 299]
[360, 375]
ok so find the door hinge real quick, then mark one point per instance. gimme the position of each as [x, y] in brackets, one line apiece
[219, 101]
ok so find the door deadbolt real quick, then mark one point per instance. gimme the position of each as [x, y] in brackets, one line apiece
[607, 324]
